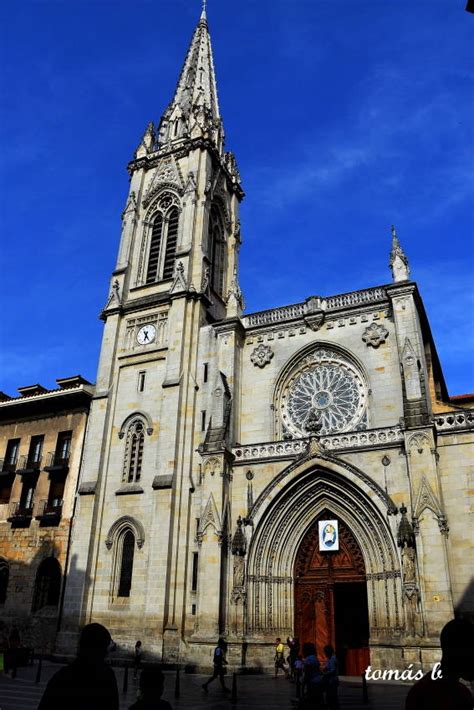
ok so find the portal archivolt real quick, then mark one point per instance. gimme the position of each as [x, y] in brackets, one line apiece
[279, 530]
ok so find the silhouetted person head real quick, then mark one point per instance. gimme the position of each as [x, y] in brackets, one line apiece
[457, 646]
[94, 642]
[152, 683]
[309, 649]
[328, 651]
[222, 644]
[138, 644]
[278, 639]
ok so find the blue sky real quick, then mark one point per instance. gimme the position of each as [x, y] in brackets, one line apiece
[345, 115]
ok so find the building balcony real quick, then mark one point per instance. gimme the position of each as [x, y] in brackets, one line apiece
[7, 466]
[49, 511]
[26, 464]
[57, 462]
[20, 514]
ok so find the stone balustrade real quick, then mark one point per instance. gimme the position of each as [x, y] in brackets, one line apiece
[449, 421]
[299, 310]
[291, 448]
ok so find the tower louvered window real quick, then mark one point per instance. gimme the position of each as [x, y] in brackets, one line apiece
[154, 256]
[134, 452]
[163, 239]
[171, 241]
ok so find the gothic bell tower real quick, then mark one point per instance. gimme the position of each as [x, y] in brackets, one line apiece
[180, 226]
[176, 275]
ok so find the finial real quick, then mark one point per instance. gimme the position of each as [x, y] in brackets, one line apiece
[398, 259]
[204, 7]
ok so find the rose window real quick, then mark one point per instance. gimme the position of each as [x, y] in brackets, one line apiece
[326, 394]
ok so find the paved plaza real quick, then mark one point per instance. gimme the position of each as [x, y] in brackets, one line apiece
[254, 691]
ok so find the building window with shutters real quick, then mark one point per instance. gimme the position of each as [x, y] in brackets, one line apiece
[47, 584]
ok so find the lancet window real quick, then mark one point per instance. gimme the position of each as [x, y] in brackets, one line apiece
[216, 243]
[125, 559]
[163, 240]
[134, 451]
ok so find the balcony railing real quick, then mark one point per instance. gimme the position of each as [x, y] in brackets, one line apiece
[28, 463]
[19, 511]
[49, 509]
[57, 459]
[8, 466]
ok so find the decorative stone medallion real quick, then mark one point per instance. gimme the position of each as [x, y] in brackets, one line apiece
[375, 335]
[262, 355]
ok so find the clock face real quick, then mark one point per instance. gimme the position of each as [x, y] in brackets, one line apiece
[146, 334]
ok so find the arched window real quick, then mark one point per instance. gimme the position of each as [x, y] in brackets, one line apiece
[4, 575]
[171, 241]
[156, 234]
[134, 451]
[163, 241]
[217, 251]
[125, 559]
[47, 584]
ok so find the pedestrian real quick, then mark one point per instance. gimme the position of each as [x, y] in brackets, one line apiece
[219, 662]
[445, 692]
[88, 682]
[137, 661]
[294, 646]
[151, 684]
[312, 676]
[298, 668]
[280, 658]
[331, 678]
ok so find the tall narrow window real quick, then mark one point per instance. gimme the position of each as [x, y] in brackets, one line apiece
[63, 447]
[203, 420]
[126, 564]
[4, 575]
[36, 451]
[11, 455]
[134, 451]
[141, 381]
[171, 241]
[217, 251]
[154, 255]
[194, 580]
[205, 371]
[47, 584]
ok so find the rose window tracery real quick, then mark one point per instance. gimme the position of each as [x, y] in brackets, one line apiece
[325, 393]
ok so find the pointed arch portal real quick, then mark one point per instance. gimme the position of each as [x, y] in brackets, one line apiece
[287, 577]
[331, 597]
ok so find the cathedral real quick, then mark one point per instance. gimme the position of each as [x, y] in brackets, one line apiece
[296, 471]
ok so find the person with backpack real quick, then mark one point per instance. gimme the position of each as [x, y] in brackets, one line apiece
[280, 658]
[219, 662]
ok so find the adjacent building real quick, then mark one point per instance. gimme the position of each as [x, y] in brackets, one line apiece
[41, 440]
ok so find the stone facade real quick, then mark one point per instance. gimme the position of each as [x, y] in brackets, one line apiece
[41, 440]
[216, 440]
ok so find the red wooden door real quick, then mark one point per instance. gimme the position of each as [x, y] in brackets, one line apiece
[316, 574]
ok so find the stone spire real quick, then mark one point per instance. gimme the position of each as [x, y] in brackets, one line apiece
[398, 260]
[194, 110]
